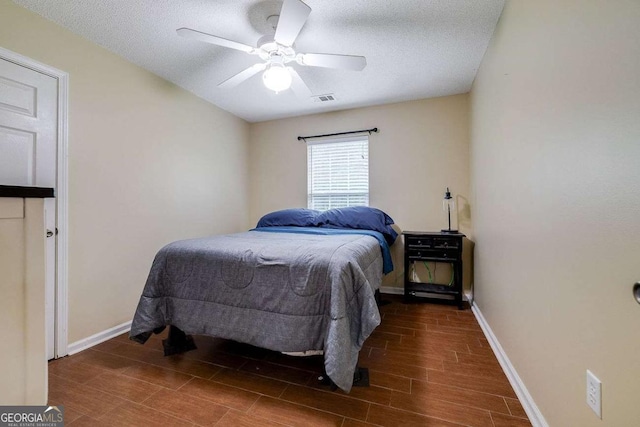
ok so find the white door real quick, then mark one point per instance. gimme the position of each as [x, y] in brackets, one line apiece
[28, 148]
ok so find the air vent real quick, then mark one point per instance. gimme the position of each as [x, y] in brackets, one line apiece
[324, 98]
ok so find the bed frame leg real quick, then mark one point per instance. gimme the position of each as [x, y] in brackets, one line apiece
[360, 378]
[177, 342]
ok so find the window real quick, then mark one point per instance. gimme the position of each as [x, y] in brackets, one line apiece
[338, 173]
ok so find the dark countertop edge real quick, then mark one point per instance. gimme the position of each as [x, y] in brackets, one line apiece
[26, 192]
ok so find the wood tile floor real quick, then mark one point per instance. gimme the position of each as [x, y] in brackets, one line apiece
[429, 365]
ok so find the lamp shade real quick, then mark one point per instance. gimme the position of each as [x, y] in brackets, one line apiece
[277, 78]
[448, 203]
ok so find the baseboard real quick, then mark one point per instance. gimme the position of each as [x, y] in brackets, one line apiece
[530, 407]
[394, 290]
[96, 339]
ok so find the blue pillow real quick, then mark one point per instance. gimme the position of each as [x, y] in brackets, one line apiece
[289, 217]
[358, 217]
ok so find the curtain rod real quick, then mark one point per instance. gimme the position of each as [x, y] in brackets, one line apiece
[304, 138]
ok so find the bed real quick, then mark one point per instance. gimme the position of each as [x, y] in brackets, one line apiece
[292, 288]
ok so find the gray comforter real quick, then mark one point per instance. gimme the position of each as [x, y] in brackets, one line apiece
[280, 291]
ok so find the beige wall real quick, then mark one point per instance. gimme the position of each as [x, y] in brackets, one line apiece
[422, 148]
[555, 143]
[148, 163]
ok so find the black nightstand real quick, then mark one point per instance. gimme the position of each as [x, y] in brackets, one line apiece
[433, 247]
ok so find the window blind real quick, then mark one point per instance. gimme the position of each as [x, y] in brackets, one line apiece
[338, 173]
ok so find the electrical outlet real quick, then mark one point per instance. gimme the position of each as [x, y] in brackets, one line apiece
[594, 393]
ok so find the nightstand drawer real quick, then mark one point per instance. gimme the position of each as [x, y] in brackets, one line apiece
[432, 254]
[419, 242]
[430, 242]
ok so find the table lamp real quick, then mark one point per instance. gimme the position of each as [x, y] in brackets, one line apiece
[448, 204]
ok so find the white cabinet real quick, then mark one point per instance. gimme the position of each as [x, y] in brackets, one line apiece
[23, 361]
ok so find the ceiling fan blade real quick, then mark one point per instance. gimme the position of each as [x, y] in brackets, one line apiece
[208, 38]
[298, 86]
[293, 15]
[327, 60]
[242, 76]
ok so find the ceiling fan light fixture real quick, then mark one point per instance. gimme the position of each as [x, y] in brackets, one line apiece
[276, 49]
[277, 78]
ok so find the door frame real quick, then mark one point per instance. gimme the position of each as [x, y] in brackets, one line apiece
[62, 189]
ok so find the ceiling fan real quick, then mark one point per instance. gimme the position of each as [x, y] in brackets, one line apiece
[276, 50]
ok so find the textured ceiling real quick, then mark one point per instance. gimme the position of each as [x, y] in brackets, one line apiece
[414, 48]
